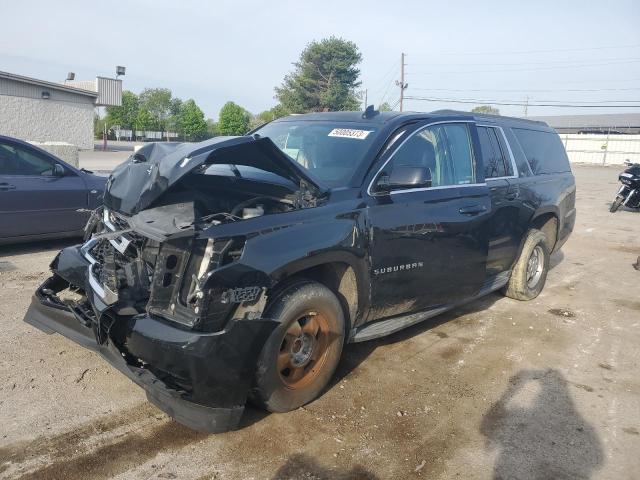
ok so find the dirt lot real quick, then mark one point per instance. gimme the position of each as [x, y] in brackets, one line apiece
[502, 389]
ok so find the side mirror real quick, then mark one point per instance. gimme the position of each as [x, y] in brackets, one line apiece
[405, 177]
[58, 170]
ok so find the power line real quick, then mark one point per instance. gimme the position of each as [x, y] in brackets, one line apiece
[557, 67]
[526, 90]
[383, 80]
[386, 92]
[553, 62]
[519, 104]
[524, 52]
[556, 101]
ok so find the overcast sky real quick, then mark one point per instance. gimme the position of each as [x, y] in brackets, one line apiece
[219, 51]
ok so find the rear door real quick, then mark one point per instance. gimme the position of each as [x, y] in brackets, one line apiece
[502, 228]
[32, 200]
[428, 245]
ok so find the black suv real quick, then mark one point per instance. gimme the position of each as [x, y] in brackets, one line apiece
[239, 267]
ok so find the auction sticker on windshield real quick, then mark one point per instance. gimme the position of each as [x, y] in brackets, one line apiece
[349, 133]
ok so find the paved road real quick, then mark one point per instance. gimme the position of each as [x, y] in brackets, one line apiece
[102, 162]
[496, 389]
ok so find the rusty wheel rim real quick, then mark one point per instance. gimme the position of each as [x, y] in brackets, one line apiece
[303, 351]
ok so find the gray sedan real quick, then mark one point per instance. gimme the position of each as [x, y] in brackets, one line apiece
[41, 196]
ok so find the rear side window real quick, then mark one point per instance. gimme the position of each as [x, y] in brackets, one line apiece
[544, 151]
[493, 154]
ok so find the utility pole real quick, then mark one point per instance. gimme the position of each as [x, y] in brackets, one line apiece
[526, 106]
[365, 98]
[402, 83]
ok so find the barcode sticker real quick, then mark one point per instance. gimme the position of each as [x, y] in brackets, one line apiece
[349, 133]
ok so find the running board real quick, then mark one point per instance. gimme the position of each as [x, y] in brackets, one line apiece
[388, 326]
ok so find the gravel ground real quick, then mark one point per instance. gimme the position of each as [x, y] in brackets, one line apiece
[497, 389]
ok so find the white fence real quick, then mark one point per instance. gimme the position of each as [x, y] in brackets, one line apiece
[123, 134]
[602, 149]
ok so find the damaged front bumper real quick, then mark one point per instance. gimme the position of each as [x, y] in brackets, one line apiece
[200, 379]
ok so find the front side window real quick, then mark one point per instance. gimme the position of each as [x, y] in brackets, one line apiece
[18, 161]
[331, 151]
[444, 149]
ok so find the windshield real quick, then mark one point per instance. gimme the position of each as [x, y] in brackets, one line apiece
[331, 151]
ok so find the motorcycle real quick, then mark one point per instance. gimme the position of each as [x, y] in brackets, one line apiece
[629, 193]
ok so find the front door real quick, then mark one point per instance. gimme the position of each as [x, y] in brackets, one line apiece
[429, 245]
[33, 200]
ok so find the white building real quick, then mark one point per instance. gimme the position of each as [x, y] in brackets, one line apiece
[41, 111]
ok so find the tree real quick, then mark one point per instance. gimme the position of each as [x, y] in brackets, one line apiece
[125, 115]
[191, 120]
[486, 109]
[233, 120]
[384, 107]
[175, 112]
[144, 120]
[157, 102]
[98, 126]
[212, 128]
[325, 78]
[269, 115]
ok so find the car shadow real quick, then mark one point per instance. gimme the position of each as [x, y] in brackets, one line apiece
[538, 432]
[356, 353]
[556, 259]
[37, 246]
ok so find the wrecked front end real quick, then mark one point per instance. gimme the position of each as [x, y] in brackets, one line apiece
[162, 294]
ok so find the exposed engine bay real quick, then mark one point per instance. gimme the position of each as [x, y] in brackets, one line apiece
[153, 262]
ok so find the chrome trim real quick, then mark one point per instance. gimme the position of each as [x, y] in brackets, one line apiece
[105, 293]
[400, 146]
[440, 187]
[514, 167]
[119, 244]
[626, 200]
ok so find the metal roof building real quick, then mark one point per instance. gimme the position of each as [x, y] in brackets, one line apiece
[627, 123]
[43, 111]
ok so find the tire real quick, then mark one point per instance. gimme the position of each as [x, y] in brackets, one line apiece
[616, 203]
[295, 364]
[529, 274]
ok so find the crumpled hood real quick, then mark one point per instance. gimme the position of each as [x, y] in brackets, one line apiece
[138, 182]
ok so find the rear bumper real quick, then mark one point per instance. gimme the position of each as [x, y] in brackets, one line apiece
[200, 379]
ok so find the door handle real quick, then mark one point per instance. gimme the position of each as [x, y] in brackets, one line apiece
[4, 186]
[473, 210]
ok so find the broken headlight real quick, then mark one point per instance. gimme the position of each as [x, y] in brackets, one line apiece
[181, 271]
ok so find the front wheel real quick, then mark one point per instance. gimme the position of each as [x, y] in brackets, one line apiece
[616, 203]
[530, 271]
[301, 355]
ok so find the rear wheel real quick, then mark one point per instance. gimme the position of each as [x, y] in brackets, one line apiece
[530, 271]
[616, 203]
[300, 356]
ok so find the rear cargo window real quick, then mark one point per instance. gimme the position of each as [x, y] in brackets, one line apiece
[544, 151]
